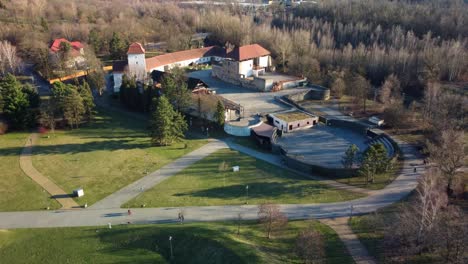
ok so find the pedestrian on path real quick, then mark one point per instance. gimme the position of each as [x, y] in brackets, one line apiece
[129, 212]
[414, 170]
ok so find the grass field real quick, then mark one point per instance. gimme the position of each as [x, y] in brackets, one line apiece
[192, 243]
[104, 155]
[381, 180]
[17, 191]
[212, 182]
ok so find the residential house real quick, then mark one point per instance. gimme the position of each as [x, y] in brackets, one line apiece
[74, 57]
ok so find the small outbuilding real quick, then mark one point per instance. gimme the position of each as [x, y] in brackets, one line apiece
[293, 120]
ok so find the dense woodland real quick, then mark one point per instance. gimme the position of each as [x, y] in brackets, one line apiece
[415, 40]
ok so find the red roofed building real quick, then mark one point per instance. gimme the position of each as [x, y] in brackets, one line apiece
[75, 54]
[243, 62]
[139, 67]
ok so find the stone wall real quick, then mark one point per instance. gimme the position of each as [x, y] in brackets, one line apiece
[240, 131]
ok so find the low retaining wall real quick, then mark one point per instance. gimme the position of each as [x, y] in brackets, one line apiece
[316, 169]
[354, 126]
[240, 131]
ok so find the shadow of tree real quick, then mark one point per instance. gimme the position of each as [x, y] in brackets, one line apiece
[259, 190]
[111, 145]
[190, 245]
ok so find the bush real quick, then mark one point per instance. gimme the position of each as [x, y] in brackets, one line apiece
[3, 127]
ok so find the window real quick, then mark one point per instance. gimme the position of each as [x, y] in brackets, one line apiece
[298, 125]
[308, 122]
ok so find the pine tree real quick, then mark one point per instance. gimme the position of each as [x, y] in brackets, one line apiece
[374, 161]
[88, 100]
[220, 114]
[74, 109]
[166, 125]
[350, 156]
[15, 103]
[117, 46]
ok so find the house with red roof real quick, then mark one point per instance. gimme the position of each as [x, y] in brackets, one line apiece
[140, 67]
[74, 56]
[245, 65]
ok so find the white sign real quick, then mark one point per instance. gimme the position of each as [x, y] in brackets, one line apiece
[78, 192]
[235, 168]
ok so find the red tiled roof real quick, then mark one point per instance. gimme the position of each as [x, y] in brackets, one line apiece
[136, 48]
[179, 56]
[76, 45]
[247, 52]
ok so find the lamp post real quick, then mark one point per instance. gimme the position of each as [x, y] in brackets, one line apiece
[170, 243]
[247, 194]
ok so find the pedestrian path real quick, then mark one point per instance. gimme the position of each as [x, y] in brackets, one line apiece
[350, 240]
[28, 168]
[136, 188]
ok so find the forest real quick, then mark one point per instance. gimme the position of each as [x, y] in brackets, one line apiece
[418, 41]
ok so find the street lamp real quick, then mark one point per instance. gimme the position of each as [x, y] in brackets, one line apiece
[247, 194]
[170, 243]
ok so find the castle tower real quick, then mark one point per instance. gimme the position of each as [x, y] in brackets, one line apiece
[136, 61]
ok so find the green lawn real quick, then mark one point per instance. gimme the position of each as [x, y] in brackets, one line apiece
[17, 191]
[103, 156]
[381, 180]
[192, 243]
[206, 183]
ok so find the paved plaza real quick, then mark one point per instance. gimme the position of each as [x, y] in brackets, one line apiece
[253, 101]
[321, 144]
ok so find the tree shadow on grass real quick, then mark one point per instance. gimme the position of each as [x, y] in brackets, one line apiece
[190, 245]
[257, 190]
[109, 145]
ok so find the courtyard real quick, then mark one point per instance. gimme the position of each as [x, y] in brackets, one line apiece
[321, 145]
[252, 101]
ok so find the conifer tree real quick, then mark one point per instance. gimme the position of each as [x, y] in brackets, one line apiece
[166, 125]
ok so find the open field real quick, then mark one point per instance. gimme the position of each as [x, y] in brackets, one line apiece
[211, 181]
[192, 243]
[103, 156]
[18, 191]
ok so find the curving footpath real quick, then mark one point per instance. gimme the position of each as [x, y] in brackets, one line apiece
[26, 165]
[398, 189]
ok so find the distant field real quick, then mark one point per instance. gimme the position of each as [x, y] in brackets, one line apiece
[103, 156]
[192, 243]
[17, 191]
[211, 181]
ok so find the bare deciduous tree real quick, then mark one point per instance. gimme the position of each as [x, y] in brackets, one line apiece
[411, 232]
[9, 60]
[310, 246]
[451, 235]
[271, 218]
[448, 154]
[390, 92]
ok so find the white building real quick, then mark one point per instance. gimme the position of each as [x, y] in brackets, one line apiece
[139, 67]
[244, 62]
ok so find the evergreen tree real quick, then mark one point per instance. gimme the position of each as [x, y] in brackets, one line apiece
[166, 125]
[88, 100]
[16, 106]
[220, 114]
[95, 40]
[174, 87]
[117, 46]
[74, 109]
[350, 156]
[374, 161]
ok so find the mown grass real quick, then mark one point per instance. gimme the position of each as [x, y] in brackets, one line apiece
[17, 191]
[381, 180]
[104, 155]
[211, 181]
[192, 243]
